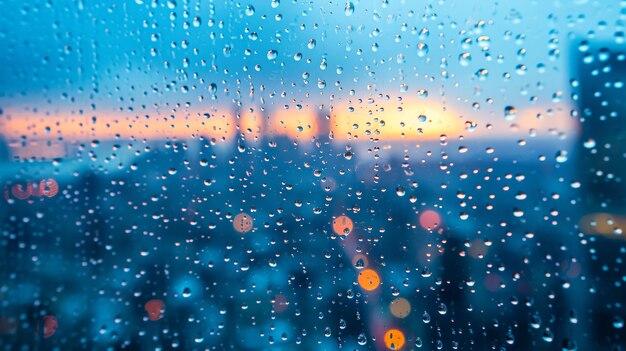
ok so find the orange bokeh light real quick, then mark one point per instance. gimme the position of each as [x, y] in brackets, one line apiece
[394, 339]
[368, 279]
[343, 225]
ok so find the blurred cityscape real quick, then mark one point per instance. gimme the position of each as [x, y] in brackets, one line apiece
[319, 227]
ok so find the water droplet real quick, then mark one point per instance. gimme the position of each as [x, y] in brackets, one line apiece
[422, 50]
[442, 309]
[547, 335]
[272, 54]
[362, 339]
[400, 191]
[561, 156]
[426, 317]
[589, 144]
[465, 59]
[618, 322]
[510, 113]
[535, 321]
[418, 342]
[349, 10]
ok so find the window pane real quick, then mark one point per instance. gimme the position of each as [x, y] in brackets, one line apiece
[362, 175]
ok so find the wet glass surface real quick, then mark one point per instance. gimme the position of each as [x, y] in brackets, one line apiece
[303, 175]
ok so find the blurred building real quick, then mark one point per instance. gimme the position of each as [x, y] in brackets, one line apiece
[599, 70]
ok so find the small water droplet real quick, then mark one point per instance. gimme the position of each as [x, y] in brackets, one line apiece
[272, 54]
[510, 113]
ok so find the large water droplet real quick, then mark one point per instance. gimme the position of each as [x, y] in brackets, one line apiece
[249, 10]
[422, 50]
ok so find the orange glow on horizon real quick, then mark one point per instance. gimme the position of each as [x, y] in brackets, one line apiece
[252, 124]
[297, 124]
[393, 121]
[537, 120]
[32, 134]
[37, 127]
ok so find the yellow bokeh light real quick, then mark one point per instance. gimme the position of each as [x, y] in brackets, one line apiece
[391, 120]
[296, 124]
[251, 124]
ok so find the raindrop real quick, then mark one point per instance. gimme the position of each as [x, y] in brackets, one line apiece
[465, 59]
[561, 156]
[547, 335]
[349, 10]
[400, 191]
[272, 54]
[342, 324]
[589, 144]
[418, 342]
[510, 113]
[442, 309]
[422, 50]
[618, 322]
[362, 339]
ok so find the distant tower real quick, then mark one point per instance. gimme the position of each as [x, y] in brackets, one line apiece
[599, 77]
[599, 80]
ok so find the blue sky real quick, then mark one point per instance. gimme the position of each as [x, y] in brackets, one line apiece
[144, 55]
